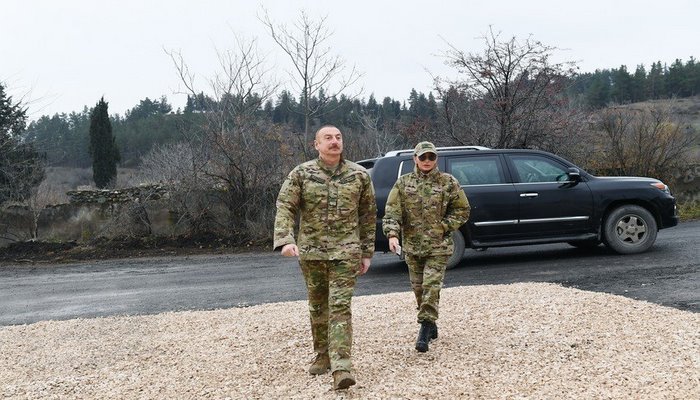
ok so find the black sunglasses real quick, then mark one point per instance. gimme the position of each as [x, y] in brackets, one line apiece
[429, 156]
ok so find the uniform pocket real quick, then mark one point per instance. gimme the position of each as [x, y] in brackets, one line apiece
[413, 200]
[349, 189]
[438, 202]
[315, 191]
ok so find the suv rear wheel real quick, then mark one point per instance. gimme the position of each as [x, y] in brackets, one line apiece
[630, 229]
[458, 251]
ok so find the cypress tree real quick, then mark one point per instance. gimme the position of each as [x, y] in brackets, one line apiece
[103, 147]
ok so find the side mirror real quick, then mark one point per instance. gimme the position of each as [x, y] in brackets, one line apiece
[574, 174]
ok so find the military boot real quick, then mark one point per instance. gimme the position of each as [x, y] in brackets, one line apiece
[433, 331]
[424, 336]
[342, 380]
[321, 364]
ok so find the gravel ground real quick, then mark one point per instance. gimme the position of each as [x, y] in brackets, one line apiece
[518, 341]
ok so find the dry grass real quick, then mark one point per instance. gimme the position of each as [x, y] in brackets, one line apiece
[689, 210]
[506, 341]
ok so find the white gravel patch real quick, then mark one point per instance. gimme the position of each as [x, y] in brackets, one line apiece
[519, 341]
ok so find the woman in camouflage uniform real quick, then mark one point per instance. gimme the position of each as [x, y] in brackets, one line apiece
[424, 208]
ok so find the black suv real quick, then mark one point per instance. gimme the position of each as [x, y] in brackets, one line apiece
[521, 197]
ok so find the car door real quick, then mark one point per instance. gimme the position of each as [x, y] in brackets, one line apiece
[493, 200]
[550, 203]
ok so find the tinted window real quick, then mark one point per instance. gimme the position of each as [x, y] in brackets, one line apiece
[476, 170]
[407, 166]
[368, 165]
[532, 168]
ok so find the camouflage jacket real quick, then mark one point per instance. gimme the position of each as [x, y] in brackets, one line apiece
[424, 209]
[336, 210]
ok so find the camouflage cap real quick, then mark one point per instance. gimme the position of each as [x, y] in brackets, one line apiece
[424, 147]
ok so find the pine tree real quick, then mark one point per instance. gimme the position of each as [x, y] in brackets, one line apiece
[597, 94]
[21, 167]
[639, 84]
[621, 90]
[657, 81]
[675, 81]
[103, 148]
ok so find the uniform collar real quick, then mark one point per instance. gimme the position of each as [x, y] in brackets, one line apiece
[430, 175]
[341, 166]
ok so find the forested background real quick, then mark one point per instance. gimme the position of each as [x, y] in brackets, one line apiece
[241, 131]
[64, 138]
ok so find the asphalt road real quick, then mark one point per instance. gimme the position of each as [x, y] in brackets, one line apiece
[668, 274]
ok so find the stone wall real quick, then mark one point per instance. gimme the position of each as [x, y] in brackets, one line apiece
[147, 210]
[90, 214]
[686, 185]
[104, 196]
[15, 224]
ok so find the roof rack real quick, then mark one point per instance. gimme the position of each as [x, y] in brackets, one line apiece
[399, 152]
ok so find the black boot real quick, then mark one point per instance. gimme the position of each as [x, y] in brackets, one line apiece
[433, 331]
[424, 336]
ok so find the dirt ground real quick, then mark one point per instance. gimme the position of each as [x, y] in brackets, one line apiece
[102, 249]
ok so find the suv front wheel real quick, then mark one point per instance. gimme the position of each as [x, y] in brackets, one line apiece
[630, 229]
[458, 251]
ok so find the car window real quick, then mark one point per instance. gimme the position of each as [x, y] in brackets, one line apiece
[533, 169]
[368, 165]
[476, 170]
[407, 166]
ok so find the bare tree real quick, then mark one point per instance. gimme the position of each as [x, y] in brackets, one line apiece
[244, 155]
[378, 139]
[42, 196]
[459, 118]
[508, 87]
[647, 141]
[317, 73]
[180, 167]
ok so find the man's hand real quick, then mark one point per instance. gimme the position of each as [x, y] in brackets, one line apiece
[393, 244]
[290, 250]
[364, 266]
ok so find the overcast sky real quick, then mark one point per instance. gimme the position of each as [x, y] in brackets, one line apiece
[62, 55]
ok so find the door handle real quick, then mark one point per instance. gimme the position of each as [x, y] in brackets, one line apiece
[529, 194]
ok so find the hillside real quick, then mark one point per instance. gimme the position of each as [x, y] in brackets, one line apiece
[686, 109]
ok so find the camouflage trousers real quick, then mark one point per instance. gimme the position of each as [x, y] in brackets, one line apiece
[427, 274]
[330, 285]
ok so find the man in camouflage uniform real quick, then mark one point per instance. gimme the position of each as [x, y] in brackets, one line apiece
[334, 201]
[423, 208]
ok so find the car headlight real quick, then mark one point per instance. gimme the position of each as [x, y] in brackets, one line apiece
[661, 186]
